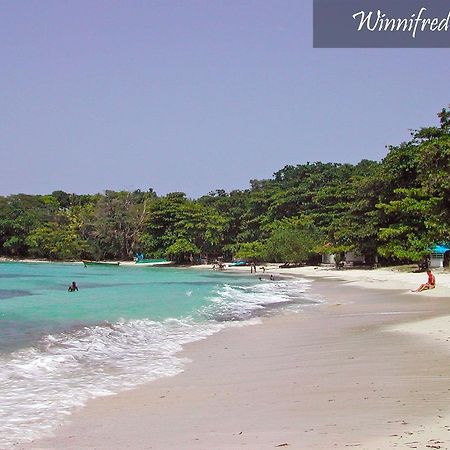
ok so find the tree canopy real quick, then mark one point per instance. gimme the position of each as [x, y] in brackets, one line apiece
[397, 209]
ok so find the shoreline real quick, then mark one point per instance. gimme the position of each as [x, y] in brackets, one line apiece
[316, 379]
[380, 278]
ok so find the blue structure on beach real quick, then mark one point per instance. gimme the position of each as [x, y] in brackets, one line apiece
[441, 249]
[440, 255]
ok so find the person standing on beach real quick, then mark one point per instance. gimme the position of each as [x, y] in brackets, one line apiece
[430, 284]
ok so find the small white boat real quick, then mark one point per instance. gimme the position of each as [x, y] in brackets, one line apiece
[153, 262]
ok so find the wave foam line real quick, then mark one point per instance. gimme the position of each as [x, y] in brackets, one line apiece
[41, 385]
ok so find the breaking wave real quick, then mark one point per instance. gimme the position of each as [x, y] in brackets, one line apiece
[41, 385]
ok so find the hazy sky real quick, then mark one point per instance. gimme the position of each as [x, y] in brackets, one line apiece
[193, 95]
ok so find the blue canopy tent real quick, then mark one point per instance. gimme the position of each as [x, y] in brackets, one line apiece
[437, 255]
[441, 249]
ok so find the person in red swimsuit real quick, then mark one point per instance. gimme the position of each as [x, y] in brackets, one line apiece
[430, 284]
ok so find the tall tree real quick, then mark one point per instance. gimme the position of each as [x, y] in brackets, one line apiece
[416, 205]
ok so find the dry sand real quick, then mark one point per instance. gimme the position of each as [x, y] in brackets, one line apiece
[368, 369]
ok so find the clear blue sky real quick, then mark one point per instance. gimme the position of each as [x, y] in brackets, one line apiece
[193, 95]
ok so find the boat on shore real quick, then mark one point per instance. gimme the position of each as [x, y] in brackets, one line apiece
[99, 263]
[153, 262]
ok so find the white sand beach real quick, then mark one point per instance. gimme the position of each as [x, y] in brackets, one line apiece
[368, 369]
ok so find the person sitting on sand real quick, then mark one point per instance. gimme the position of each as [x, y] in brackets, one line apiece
[430, 284]
[73, 287]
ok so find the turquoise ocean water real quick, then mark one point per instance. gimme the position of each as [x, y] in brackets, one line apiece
[122, 328]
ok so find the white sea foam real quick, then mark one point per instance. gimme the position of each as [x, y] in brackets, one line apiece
[41, 385]
[243, 302]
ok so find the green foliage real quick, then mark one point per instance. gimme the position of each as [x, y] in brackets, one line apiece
[397, 208]
[19, 215]
[174, 217]
[416, 204]
[117, 221]
[51, 241]
[60, 239]
[182, 250]
[293, 241]
[249, 251]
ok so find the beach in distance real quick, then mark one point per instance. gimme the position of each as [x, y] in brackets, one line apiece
[362, 365]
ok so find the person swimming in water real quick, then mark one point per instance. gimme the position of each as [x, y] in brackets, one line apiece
[73, 287]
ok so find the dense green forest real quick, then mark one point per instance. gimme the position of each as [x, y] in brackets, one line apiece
[396, 209]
